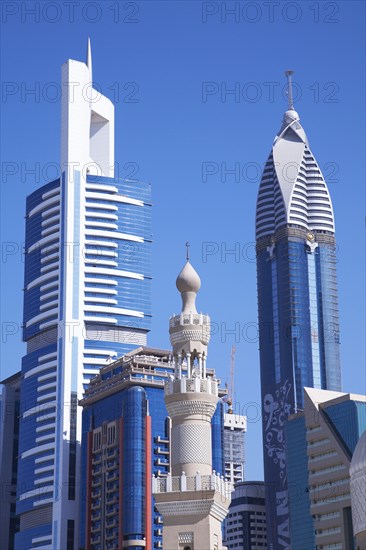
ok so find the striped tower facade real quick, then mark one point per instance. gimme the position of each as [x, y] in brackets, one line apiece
[87, 300]
[297, 300]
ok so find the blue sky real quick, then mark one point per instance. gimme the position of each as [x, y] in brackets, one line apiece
[169, 67]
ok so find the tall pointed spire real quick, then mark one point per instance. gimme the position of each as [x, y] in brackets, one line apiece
[89, 59]
[289, 90]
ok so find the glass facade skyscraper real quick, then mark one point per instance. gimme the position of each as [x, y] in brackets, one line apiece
[86, 301]
[126, 439]
[297, 300]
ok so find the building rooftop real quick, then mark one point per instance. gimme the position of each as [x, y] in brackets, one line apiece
[146, 365]
[12, 378]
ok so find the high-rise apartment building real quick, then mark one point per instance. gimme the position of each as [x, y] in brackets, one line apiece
[9, 442]
[86, 301]
[297, 300]
[334, 423]
[245, 524]
[126, 440]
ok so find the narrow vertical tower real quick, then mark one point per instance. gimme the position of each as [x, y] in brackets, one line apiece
[297, 299]
[86, 300]
[193, 500]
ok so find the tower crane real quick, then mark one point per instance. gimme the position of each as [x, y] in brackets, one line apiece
[230, 396]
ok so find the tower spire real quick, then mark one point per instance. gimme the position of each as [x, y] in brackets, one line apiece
[289, 90]
[89, 59]
[187, 251]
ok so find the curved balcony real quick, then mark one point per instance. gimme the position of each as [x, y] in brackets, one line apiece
[195, 319]
[178, 484]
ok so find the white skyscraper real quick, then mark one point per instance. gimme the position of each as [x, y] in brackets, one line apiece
[84, 303]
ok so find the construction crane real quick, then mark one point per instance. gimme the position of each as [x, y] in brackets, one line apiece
[230, 396]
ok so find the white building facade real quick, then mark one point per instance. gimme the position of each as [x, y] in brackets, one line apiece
[84, 304]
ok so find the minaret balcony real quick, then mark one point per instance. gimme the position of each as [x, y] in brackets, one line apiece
[192, 385]
[184, 319]
[203, 483]
[190, 326]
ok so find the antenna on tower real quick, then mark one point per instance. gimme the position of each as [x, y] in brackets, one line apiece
[289, 89]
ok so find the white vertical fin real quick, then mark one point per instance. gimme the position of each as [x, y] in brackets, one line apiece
[89, 60]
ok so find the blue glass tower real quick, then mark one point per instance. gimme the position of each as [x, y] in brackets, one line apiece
[297, 300]
[86, 301]
[126, 440]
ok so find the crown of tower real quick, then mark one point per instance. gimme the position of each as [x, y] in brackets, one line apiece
[292, 192]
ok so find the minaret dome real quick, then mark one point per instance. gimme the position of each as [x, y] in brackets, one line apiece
[188, 283]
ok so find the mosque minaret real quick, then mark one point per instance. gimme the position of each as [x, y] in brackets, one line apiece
[193, 499]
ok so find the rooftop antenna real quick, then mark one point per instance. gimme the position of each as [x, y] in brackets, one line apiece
[187, 250]
[89, 58]
[289, 89]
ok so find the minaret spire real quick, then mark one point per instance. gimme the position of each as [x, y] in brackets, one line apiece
[89, 59]
[187, 251]
[193, 499]
[289, 90]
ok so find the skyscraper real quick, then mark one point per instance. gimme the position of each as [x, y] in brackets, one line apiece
[87, 300]
[297, 299]
[127, 439]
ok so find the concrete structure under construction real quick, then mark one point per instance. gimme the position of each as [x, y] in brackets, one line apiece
[235, 426]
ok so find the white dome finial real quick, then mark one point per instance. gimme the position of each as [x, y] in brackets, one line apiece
[188, 283]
